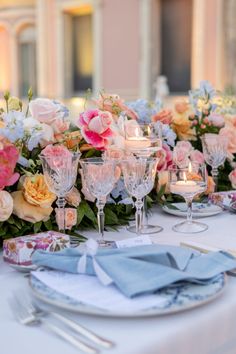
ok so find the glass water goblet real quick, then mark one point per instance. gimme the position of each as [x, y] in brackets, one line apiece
[100, 178]
[60, 174]
[143, 140]
[139, 177]
[215, 151]
[188, 182]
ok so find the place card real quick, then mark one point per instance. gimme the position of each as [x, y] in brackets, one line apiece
[135, 241]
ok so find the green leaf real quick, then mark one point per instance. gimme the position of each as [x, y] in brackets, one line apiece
[48, 225]
[37, 227]
[88, 211]
[110, 217]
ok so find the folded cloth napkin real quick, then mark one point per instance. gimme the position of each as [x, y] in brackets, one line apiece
[142, 269]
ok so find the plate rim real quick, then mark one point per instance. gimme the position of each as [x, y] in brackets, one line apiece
[93, 311]
[195, 215]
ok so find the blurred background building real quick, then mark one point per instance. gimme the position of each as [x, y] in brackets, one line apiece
[63, 47]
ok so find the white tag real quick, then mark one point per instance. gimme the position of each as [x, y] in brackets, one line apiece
[135, 241]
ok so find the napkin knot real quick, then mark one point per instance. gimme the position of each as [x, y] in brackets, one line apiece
[90, 249]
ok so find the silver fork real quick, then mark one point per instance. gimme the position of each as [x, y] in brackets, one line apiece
[38, 312]
[23, 316]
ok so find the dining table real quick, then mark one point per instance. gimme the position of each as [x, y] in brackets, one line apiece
[209, 328]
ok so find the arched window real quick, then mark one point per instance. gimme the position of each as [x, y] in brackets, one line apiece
[27, 60]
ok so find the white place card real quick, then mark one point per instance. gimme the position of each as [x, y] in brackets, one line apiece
[135, 241]
[88, 290]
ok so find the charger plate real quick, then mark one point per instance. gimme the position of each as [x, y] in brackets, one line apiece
[180, 297]
[200, 210]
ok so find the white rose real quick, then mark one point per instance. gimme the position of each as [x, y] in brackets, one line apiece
[6, 205]
[44, 110]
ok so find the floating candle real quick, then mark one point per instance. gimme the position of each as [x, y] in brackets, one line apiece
[185, 187]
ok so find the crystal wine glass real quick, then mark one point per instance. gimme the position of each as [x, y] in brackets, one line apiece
[188, 182]
[143, 140]
[60, 174]
[215, 151]
[139, 177]
[100, 178]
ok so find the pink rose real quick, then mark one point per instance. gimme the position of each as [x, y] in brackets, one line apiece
[44, 110]
[230, 134]
[165, 158]
[232, 178]
[216, 120]
[185, 146]
[95, 127]
[60, 126]
[164, 116]
[57, 156]
[180, 157]
[70, 217]
[197, 156]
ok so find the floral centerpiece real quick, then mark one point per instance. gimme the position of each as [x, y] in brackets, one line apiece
[27, 205]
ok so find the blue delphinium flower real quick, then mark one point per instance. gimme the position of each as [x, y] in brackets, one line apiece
[35, 136]
[14, 127]
[145, 109]
[63, 110]
[120, 192]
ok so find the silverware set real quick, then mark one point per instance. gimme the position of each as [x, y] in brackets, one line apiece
[30, 314]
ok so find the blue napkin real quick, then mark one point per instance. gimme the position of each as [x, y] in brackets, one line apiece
[142, 269]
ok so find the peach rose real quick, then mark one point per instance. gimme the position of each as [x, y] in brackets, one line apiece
[29, 212]
[210, 186]
[181, 106]
[6, 205]
[73, 197]
[164, 117]
[182, 126]
[163, 179]
[70, 217]
[36, 192]
[232, 178]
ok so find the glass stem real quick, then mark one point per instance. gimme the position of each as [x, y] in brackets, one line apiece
[138, 215]
[61, 205]
[145, 212]
[100, 216]
[214, 173]
[189, 203]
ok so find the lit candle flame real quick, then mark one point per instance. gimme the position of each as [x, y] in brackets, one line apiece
[190, 167]
[185, 178]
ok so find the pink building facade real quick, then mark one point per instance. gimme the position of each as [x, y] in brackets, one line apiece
[63, 47]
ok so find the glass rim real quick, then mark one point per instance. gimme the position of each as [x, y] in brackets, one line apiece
[97, 160]
[73, 154]
[186, 168]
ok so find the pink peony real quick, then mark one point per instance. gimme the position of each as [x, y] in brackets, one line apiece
[165, 158]
[8, 159]
[95, 127]
[164, 117]
[60, 126]
[180, 157]
[232, 178]
[230, 134]
[216, 120]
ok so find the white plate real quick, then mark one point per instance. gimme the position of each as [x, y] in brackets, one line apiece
[22, 268]
[200, 210]
[182, 297]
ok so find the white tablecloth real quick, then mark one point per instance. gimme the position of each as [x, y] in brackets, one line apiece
[209, 329]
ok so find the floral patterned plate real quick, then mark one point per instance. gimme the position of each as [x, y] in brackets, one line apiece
[180, 297]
